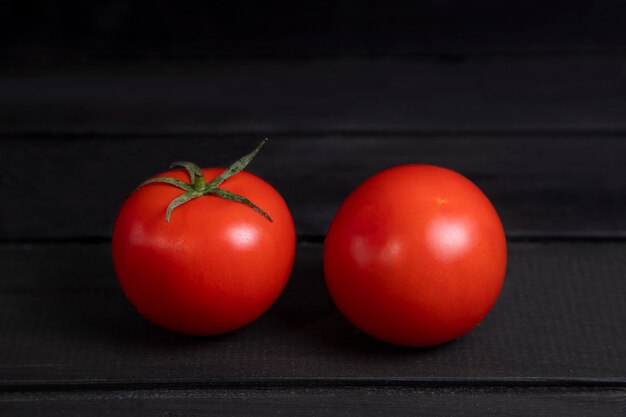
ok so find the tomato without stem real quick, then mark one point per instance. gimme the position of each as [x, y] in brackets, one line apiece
[217, 264]
[415, 256]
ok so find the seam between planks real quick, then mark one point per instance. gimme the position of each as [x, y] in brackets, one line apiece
[616, 133]
[288, 383]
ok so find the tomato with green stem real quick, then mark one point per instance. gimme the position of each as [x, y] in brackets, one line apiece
[204, 251]
[415, 256]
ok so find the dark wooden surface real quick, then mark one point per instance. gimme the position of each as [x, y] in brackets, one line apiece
[554, 345]
[527, 99]
[546, 93]
[542, 185]
[334, 401]
[560, 319]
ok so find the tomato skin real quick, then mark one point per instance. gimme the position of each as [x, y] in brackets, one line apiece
[415, 256]
[216, 266]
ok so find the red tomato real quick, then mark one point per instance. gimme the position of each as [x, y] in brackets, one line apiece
[217, 264]
[415, 256]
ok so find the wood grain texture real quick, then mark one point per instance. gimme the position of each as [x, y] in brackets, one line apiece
[95, 97]
[576, 93]
[541, 185]
[123, 29]
[346, 401]
[560, 321]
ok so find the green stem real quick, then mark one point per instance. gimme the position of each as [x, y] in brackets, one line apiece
[197, 187]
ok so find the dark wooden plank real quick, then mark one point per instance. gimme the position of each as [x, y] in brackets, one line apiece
[78, 30]
[560, 321]
[541, 185]
[549, 402]
[325, 95]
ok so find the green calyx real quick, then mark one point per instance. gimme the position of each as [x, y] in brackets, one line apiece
[197, 187]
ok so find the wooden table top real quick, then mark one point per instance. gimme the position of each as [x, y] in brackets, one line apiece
[543, 135]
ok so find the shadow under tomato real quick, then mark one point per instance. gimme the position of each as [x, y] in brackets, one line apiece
[306, 316]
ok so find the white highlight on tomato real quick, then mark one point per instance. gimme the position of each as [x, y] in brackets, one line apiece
[448, 238]
[243, 236]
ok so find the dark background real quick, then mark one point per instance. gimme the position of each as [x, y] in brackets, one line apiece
[527, 99]
[159, 30]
